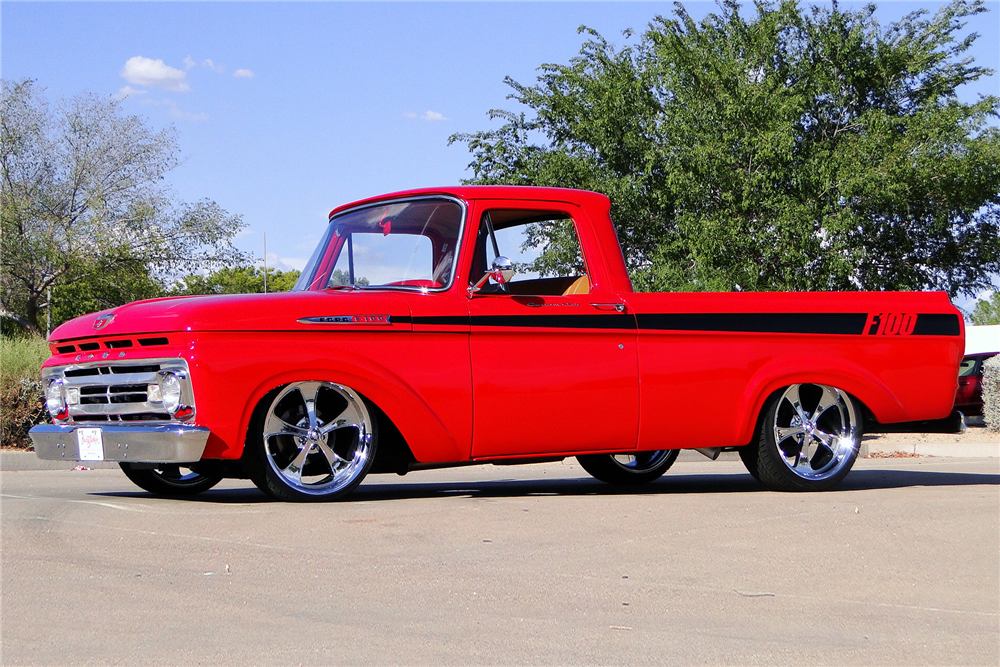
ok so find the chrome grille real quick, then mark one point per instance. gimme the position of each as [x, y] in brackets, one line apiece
[115, 391]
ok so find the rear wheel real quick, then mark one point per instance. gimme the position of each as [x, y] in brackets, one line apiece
[311, 441]
[809, 439]
[636, 468]
[172, 479]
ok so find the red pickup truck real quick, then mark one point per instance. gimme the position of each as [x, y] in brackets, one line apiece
[425, 331]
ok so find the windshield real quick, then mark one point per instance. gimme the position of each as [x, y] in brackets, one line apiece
[407, 244]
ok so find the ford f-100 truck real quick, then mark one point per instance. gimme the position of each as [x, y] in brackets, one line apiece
[424, 333]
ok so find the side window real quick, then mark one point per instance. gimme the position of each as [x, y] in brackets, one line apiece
[543, 246]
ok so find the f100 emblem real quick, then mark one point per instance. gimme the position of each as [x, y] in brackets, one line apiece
[346, 319]
[890, 324]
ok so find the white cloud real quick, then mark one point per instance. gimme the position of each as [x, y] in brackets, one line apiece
[218, 69]
[128, 91]
[283, 263]
[176, 112]
[427, 115]
[244, 74]
[148, 72]
[189, 62]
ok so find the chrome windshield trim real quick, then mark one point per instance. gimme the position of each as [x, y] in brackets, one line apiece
[402, 200]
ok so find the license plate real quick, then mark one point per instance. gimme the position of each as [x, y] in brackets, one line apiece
[91, 444]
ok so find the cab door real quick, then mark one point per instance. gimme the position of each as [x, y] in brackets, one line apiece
[554, 363]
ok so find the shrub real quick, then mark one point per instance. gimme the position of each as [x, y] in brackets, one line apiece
[22, 403]
[991, 393]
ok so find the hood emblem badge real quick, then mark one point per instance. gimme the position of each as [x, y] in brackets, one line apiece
[104, 320]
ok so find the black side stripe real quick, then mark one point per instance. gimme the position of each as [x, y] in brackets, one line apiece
[932, 324]
[797, 323]
[615, 321]
[800, 323]
[794, 323]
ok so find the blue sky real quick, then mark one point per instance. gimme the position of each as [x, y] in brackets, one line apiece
[286, 110]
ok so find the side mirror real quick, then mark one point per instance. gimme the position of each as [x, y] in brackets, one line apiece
[501, 271]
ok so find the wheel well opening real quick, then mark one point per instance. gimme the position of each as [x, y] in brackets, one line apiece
[392, 454]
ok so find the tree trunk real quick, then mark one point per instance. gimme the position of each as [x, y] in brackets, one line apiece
[21, 322]
[31, 317]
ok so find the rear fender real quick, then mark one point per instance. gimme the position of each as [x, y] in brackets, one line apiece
[836, 372]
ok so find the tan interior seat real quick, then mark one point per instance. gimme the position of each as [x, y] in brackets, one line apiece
[580, 286]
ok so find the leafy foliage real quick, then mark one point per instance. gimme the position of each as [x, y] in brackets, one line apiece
[560, 253]
[84, 203]
[341, 277]
[800, 149]
[21, 394]
[236, 280]
[987, 311]
[991, 393]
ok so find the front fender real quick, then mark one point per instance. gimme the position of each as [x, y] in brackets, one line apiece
[235, 376]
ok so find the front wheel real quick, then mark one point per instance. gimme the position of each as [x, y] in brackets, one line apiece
[809, 438]
[310, 441]
[637, 468]
[172, 479]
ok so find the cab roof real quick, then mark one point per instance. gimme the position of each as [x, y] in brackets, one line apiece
[471, 192]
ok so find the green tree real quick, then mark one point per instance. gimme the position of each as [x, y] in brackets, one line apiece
[87, 291]
[801, 148]
[236, 280]
[84, 202]
[987, 311]
[341, 277]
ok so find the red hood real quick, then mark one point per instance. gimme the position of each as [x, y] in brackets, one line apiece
[236, 312]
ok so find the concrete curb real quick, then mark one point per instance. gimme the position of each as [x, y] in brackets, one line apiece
[920, 448]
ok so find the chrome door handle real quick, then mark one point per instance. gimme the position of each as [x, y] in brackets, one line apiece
[620, 307]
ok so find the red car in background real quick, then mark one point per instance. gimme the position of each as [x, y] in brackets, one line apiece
[969, 399]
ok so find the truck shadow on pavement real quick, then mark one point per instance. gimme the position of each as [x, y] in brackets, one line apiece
[374, 489]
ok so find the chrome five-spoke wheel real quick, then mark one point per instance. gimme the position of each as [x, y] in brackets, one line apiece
[313, 441]
[631, 468]
[809, 439]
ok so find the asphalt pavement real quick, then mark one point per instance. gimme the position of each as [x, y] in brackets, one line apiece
[518, 565]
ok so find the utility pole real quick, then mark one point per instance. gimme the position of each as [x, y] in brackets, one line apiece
[265, 262]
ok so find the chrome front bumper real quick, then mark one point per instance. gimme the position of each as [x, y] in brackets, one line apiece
[165, 443]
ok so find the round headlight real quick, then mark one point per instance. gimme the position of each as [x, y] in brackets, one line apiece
[55, 399]
[170, 391]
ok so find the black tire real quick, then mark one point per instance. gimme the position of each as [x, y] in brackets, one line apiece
[311, 441]
[637, 468]
[749, 457]
[809, 439]
[173, 479]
